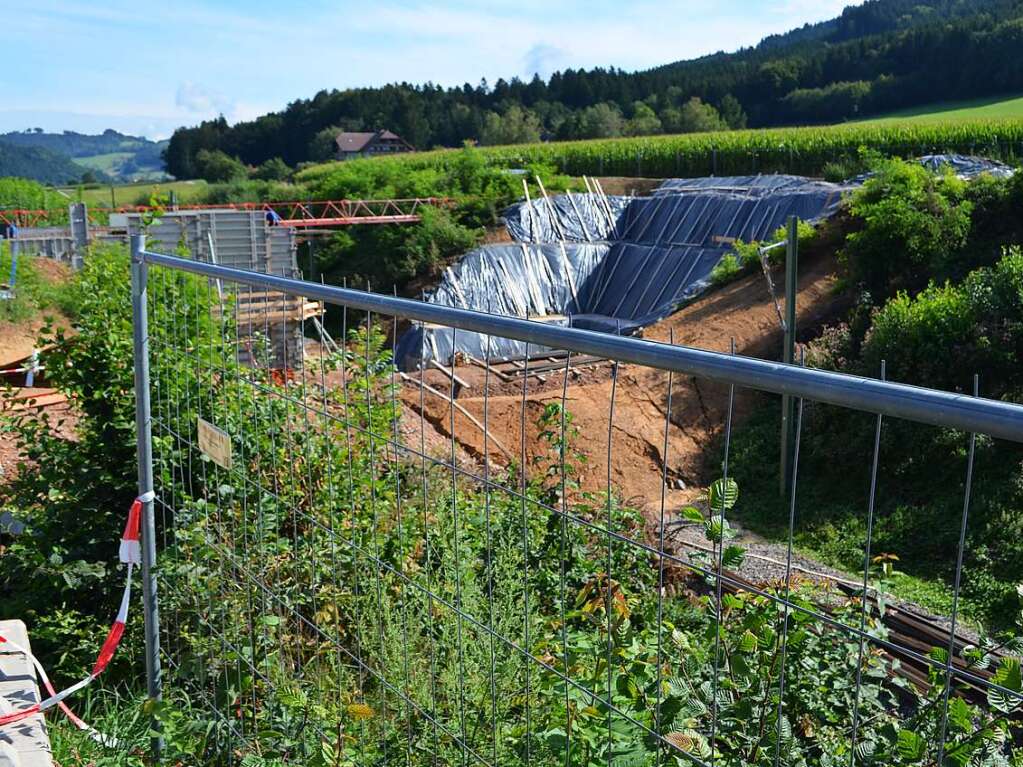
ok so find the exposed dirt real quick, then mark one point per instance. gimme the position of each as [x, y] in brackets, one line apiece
[18, 339]
[742, 311]
[629, 186]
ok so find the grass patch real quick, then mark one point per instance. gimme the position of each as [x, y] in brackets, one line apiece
[187, 192]
[915, 519]
[33, 291]
[117, 714]
[950, 111]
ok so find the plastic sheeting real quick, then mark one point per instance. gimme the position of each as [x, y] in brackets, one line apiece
[613, 264]
[566, 218]
[965, 166]
[539, 281]
[686, 212]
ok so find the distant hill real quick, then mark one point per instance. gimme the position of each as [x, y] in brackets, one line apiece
[109, 154]
[38, 163]
[875, 58]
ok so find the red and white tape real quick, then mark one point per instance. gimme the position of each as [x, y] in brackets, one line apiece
[130, 553]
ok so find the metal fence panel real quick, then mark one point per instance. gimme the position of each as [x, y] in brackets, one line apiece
[360, 566]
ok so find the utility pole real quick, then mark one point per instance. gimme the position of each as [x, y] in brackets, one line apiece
[789, 350]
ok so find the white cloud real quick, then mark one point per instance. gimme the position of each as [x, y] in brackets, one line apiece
[544, 59]
[261, 64]
[199, 100]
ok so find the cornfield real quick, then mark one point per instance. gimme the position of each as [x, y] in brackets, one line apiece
[805, 151]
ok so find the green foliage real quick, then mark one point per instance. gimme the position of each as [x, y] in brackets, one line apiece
[726, 270]
[913, 222]
[787, 150]
[274, 169]
[215, 166]
[34, 294]
[697, 117]
[389, 256]
[978, 323]
[515, 126]
[644, 121]
[325, 550]
[59, 576]
[22, 193]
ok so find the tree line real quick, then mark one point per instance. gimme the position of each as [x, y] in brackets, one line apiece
[876, 57]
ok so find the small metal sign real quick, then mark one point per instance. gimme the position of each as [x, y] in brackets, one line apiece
[215, 443]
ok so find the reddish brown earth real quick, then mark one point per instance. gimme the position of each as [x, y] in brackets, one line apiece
[742, 311]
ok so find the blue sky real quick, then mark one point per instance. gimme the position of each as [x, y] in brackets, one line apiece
[146, 68]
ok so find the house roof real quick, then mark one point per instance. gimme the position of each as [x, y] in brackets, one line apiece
[358, 141]
[353, 142]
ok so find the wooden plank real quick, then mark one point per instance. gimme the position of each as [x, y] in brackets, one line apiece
[450, 373]
[28, 738]
[257, 319]
[483, 364]
[475, 421]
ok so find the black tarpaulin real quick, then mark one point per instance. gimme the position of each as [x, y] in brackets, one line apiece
[614, 264]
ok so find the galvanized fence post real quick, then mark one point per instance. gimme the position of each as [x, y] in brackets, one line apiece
[144, 437]
[789, 349]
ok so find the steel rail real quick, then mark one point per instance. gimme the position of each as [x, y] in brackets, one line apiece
[928, 406]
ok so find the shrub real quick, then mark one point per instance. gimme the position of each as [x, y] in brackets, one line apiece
[726, 270]
[215, 165]
[274, 169]
[913, 222]
[946, 334]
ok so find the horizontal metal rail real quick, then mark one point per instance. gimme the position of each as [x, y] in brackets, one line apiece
[912, 403]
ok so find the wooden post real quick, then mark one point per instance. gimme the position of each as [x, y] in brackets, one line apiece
[789, 349]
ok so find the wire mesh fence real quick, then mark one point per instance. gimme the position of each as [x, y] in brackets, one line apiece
[362, 565]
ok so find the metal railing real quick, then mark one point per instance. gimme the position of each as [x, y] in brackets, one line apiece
[362, 565]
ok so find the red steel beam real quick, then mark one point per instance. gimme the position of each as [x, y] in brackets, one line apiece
[308, 214]
[349, 220]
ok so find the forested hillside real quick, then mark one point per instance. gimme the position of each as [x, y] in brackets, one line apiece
[110, 152]
[39, 164]
[876, 57]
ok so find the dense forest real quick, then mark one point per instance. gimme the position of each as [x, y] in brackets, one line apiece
[39, 163]
[878, 56]
[109, 153]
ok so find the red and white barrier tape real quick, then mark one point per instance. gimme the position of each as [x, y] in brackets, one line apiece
[130, 552]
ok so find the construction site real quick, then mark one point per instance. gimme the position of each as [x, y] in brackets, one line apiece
[588, 368]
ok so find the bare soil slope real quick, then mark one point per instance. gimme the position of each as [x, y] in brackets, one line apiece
[742, 311]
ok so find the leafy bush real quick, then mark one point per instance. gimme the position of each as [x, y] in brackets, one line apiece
[215, 166]
[912, 221]
[726, 270]
[978, 323]
[274, 169]
[74, 494]
[33, 293]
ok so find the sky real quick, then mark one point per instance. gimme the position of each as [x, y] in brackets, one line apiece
[147, 68]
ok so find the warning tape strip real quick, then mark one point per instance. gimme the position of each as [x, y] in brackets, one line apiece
[130, 553]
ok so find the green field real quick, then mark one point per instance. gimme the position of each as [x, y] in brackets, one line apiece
[112, 163]
[138, 194]
[812, 151]
[951, 111]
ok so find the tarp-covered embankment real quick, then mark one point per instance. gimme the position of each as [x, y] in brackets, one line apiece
[612, 263]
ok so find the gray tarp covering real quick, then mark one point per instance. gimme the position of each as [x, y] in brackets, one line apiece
[612, 263]
[518, 280]
[566, 218]
[966, 167]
